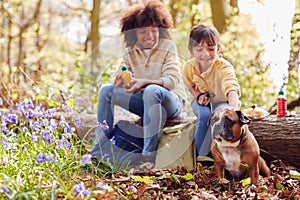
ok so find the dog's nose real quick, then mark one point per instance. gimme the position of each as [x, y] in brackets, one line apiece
[227, 135]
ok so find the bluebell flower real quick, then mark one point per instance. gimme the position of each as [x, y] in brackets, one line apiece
[86, 159]
[30, 114]
[76, 119]
[24, 129]
[67, 144]
[52, 124]
[48, 113]
[104, 125]
[4, 190]
[5, 160]
[50, 158]
[80, 189]
[34, 137]
[12, 118]
[36, 126]
[41, 158]
[5, 145]
[23, 147]
[45, 134]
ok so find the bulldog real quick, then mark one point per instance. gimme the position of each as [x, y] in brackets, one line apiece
[234, 149]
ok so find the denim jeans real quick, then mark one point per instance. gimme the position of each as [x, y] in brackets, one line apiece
[203, 137]
[154, 104]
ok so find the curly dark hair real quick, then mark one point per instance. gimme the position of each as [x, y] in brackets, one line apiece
[150, 13]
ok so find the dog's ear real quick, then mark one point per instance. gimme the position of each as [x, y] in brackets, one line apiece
[243, 119]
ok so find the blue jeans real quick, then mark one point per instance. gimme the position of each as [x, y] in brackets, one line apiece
[154, 104]
[203, 137]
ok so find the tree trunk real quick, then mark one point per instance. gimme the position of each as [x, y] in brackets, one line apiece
[219, 13]
[279, 136]
[295, 42]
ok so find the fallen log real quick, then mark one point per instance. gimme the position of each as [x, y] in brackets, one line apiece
[279, 136]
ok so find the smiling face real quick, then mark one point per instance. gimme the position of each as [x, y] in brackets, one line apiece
[147, 37]
[205, 54]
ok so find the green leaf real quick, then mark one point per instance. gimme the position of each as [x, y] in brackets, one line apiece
[188, 176]
[71, 102]
[145, 179]
[245, 165]
[138, 179]
[52, 103]
[41, 97]
[247, 181]
[294, 174]
[279, 186]
[204, 158]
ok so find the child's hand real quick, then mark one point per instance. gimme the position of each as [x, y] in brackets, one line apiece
[135, 85]
[119, 80]
[203, 99]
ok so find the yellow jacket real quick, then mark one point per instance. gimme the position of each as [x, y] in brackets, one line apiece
[218, 79]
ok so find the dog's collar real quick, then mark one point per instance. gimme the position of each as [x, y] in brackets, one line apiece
[243, 137]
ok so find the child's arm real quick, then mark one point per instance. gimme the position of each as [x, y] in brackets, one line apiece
[233, 99]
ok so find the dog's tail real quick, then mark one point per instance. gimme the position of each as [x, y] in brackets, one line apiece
[264, 170]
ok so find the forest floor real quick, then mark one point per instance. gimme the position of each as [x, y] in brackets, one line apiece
[284, 183]
[179, 183]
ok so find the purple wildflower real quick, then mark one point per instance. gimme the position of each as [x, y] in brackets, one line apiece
[41, 158]
[4, 190]
[45, 134]
[36, 126]
[34, 137]
[80, 189]
[30, 114]
[64, 143]
[12, 118]
[67, 144]
[5, 160]
[52, 124]
[50, 158]
[86, 159]
[104, 125]
[5, 145]
[23, 147]
[48, 113]
[76, 119]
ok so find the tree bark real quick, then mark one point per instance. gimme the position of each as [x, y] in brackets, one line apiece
[219, 13]
[280, 136]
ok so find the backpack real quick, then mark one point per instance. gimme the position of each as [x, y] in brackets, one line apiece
[121, 147]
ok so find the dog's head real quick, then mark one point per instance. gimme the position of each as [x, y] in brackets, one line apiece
[226, 124]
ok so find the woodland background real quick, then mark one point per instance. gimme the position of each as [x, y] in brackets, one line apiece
[41, 57]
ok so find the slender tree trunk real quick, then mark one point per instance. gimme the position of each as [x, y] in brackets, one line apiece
[219, 13]
[95, 36]
[8, 51]
[295, 45]
[173, 10]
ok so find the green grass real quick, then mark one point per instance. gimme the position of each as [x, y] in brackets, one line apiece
[41, 157]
